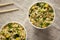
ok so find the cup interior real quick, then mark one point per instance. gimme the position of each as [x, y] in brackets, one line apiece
[33, 11]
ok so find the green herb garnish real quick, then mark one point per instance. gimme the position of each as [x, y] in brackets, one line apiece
[16, 35]
[10, 25]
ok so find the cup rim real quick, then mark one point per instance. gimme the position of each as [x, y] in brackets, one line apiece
[53, 13]
[14, 22]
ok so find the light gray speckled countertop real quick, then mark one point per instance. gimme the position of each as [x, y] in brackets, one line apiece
[51, 33]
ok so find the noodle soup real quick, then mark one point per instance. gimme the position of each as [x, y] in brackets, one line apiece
[13, 31]
[41, 15]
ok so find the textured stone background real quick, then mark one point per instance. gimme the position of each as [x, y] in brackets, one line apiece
[51, 33]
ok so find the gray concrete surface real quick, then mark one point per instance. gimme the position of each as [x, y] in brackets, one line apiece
[51, 33]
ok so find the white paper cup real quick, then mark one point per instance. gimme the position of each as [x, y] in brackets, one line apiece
[14, 22]
[53, 18]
